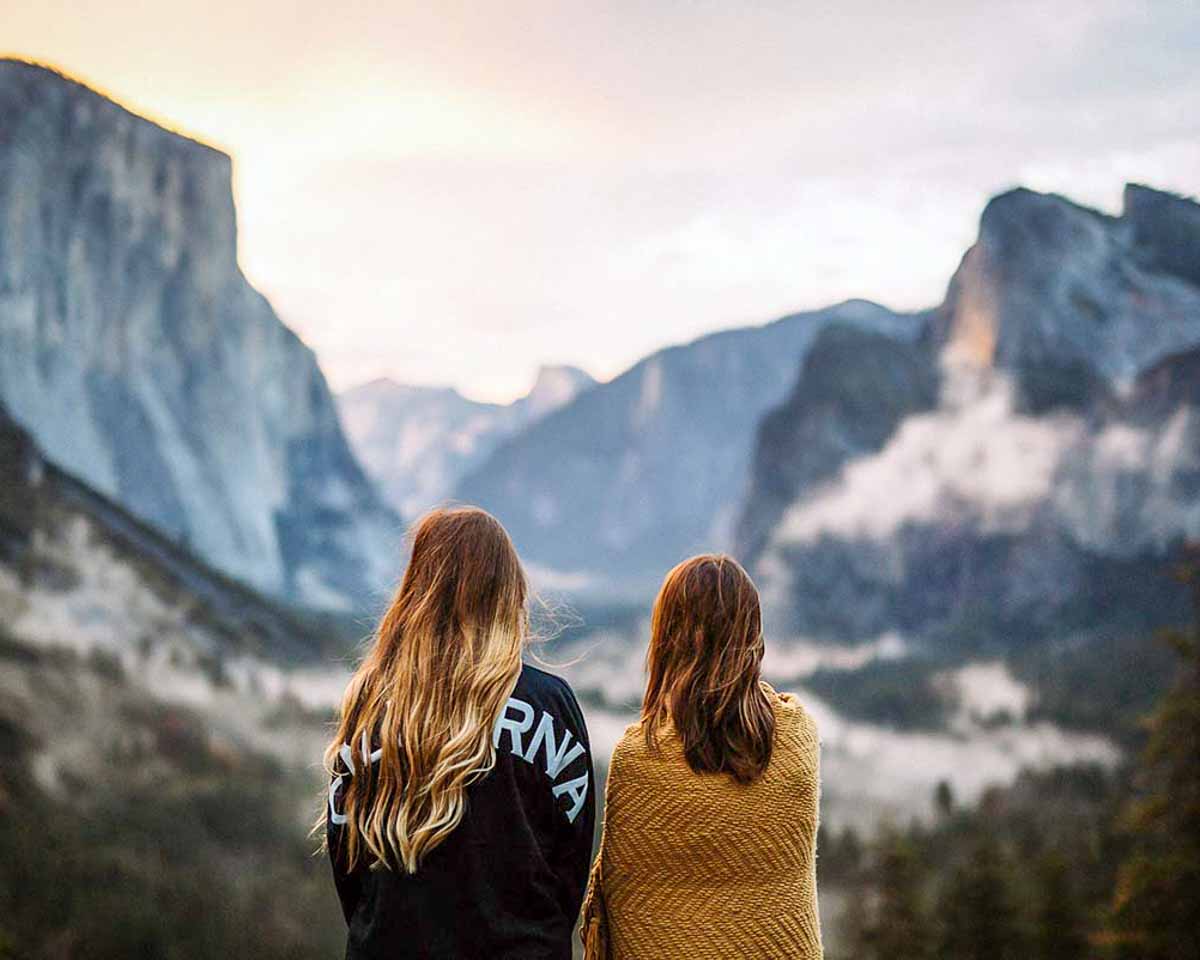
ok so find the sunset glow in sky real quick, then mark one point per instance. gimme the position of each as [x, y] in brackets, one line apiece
[457, 193]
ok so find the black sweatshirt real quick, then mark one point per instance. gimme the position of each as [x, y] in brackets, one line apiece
[509, 880]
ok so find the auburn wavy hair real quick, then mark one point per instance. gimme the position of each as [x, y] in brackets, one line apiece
[417, 717]
[703, 666]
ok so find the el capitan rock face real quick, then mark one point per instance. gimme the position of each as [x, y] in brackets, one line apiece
[1057, 469]
[136, 353]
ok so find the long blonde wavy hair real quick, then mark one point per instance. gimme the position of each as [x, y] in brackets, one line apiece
[444, 660]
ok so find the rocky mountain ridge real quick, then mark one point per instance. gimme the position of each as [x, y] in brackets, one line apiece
[1062, 452]
[617, 485]
[1051, 290]
[135, 351]
[417, 442]
[1014, 397]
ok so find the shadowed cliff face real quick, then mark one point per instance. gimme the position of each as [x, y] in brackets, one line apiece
[855, 388]
[636, 473]
[135, 351]
[1166, 230]
[1061, 453]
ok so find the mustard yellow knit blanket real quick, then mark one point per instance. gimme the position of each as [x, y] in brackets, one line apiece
[699, 866]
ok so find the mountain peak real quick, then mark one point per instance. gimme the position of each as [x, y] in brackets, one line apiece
[1052, 288]
[1141, 191]
[213, 422]
[417, 441]
[555, 385]
[1021, 221]
[33, 78]
[1166, 226]
[387, 389]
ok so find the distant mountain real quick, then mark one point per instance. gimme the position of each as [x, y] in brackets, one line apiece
[855, 387]
[141, 360]
[1066, 298]
[417, 442]
[634, 474]
[1044, 487]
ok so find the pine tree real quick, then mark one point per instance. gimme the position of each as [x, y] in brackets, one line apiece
[894, 924]
[980, 920]
[943, 799]
[1058, 920]
[842, 856]
[1156, 904]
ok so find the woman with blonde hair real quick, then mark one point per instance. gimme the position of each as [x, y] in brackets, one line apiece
[460, 810]
[710, 821]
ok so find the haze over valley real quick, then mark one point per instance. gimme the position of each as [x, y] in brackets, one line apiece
[960, 517]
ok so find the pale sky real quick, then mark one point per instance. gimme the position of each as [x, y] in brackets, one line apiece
[457, 193]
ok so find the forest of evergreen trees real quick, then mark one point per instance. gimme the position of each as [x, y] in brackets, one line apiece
[197, 856]
[1073, 864]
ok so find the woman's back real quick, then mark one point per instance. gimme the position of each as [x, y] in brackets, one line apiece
[700, 865]
[459, 816]
[507, 882]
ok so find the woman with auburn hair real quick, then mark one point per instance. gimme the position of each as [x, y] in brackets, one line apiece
[710, 821]
[460, 813]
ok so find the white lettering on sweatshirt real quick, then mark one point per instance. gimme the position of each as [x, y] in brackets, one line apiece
[558, 755]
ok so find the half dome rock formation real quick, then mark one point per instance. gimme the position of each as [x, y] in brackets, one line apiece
[1055, 471]
[140, 358]
[1055, 293]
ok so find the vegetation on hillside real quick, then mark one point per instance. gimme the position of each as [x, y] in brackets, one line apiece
[1071, 864]
[182, 846]
[1156, 905]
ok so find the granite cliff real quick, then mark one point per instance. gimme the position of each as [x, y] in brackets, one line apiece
[1051, 477]
[142, 361]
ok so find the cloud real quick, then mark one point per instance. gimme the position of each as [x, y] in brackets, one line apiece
[980, 459]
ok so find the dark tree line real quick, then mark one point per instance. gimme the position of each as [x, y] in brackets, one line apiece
[1073, 864]
[1156, 905]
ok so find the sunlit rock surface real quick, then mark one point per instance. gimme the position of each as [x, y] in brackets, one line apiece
[1058, 467]
[137, 354]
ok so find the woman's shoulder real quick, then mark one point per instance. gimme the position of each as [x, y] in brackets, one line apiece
[633, 756]
[796, 727]
[542, 685]
[632, 743]
[787, 705]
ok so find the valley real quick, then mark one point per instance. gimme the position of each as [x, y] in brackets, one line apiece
[963, 522]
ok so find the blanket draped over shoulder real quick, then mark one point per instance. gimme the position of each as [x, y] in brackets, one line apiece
[697, 865]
